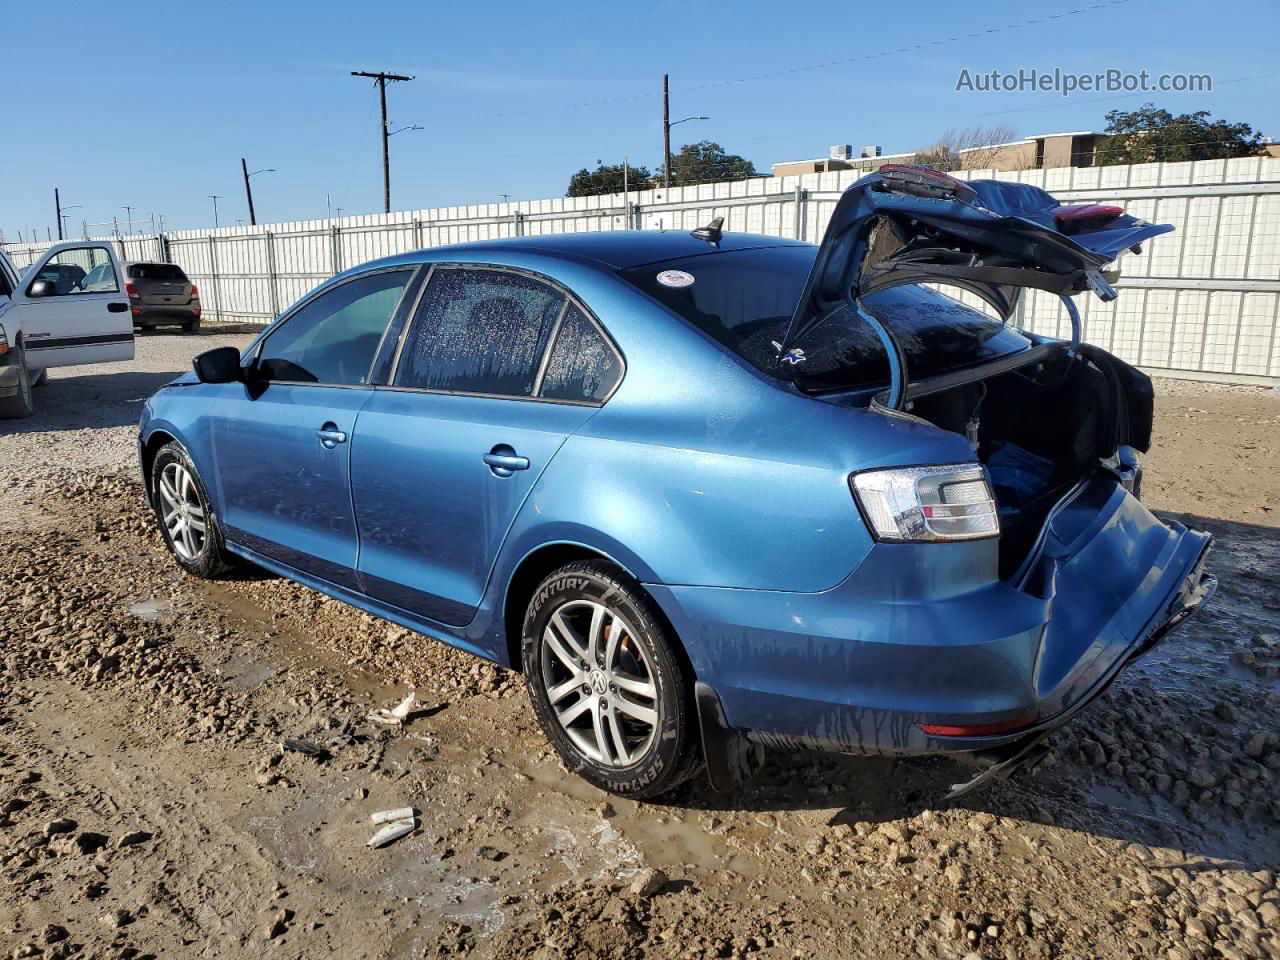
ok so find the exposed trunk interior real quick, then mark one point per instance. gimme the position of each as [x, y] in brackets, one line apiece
[1040, 429]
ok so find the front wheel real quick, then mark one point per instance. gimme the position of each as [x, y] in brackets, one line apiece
[189, 526]
[608, 683]
[40, 379]
[20, 404]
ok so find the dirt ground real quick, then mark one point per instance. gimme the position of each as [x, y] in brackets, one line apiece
[147, 807]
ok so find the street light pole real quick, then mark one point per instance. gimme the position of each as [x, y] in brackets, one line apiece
[666, 134]
[57, 205]
[381, 78]
[215, 198]
[248, 192]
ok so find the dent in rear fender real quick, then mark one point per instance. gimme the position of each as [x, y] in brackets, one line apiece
[686, 516]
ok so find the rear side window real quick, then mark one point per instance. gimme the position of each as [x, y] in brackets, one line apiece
[332, 339]
[583, 366]
[479, 331]
[157, 271]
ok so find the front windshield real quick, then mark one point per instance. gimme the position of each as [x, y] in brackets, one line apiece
[745, 299]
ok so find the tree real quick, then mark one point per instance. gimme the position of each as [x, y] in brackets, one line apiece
[973, 148]
[705, 161]
[1148, 135]
[607, 178]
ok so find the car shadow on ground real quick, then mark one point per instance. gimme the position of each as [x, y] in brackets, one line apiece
[89, 401]
[1229, 653]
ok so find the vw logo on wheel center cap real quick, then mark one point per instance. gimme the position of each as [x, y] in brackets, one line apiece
[598, 682]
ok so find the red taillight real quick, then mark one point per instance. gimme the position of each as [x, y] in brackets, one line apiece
[137, 311]
[920, 180]
[196, 311]
[1088, 211]
[131, 291]
[195, 291]
[977, 729]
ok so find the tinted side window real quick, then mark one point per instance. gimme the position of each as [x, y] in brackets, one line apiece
[334, 337]
[583, 365]
[157, 271]
[479, 331]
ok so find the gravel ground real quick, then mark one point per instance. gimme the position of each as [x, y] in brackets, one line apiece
[147, 806]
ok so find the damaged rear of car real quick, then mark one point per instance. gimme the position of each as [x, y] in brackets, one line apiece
[1004, 590]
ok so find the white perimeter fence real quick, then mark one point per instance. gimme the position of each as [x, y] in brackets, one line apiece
[1204, 300]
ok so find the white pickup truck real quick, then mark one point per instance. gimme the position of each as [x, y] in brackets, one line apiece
[69, 307]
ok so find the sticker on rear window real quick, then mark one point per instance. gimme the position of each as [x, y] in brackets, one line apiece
[675, 278]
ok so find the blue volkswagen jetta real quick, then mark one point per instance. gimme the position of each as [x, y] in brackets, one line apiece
[708, 490]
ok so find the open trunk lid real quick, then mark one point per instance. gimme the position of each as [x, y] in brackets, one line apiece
[911, 225]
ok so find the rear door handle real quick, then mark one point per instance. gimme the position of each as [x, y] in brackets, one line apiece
[504, 461]
[117, 307]
[330, 436]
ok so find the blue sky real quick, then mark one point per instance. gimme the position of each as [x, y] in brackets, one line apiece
[154, 107]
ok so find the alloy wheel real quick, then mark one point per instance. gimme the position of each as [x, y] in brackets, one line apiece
[181, 511]
[598, 677]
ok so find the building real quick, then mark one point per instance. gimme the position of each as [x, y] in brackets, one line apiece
[1074, 149]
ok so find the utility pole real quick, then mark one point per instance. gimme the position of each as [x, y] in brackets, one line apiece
[57, 204]
[215, 198]
[248, 192]
[381, 78]
[666, 134]
[128, 212]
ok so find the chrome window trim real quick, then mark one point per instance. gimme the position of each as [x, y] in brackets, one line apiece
[255, 351]
[570, 298]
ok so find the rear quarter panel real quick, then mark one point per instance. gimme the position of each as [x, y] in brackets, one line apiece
[700, 470]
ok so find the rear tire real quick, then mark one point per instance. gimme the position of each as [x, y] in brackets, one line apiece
[187, 523]
[192, 326]
[20, 405]
[608, 682]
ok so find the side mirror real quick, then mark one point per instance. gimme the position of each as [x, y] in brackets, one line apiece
[42, 288]
[218, 366]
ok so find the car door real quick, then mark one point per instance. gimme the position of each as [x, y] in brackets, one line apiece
[281, 439]
[83, 316]
[497, 368]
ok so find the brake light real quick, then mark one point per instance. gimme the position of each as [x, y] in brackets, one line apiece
[4, 341]
[1088, 211]
[131, 291]
[197, 310]
[137, 311]
[195, 291]
[922, 181]
[951, 502]
[977, 729]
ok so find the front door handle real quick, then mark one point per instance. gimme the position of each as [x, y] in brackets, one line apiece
[330, 436]
[116, 306]
[504, 461]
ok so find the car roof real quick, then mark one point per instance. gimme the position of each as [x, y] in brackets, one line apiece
[617, 249]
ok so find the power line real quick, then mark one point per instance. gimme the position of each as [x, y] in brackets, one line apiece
[1003, 28]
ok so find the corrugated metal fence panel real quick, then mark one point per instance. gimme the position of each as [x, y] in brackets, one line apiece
[1206, 298]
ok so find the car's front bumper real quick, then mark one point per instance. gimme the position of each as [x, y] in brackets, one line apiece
[913, 638]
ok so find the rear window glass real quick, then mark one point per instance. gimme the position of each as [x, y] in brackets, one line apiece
[479, 331]
[582, 366]
[745, 299]
[156, 271]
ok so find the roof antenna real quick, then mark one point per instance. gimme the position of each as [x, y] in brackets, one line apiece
[711, 232]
